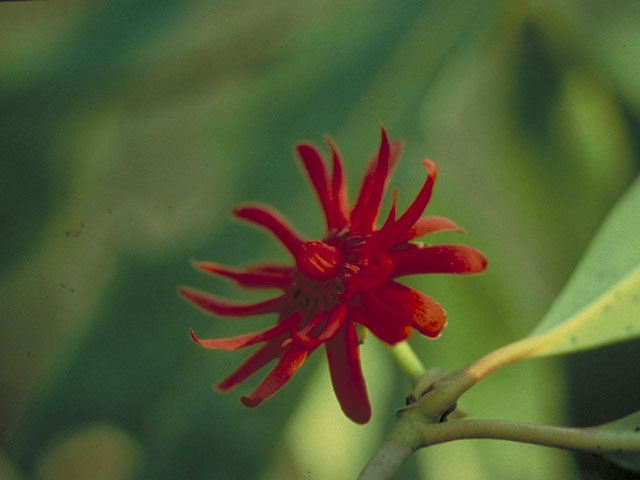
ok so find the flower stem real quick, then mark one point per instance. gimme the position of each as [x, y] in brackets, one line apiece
[408, 361]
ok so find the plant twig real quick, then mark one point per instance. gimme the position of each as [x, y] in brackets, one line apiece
[387, 460]
[419, 425]
[450, 388]
[403, 439]
[589, 439]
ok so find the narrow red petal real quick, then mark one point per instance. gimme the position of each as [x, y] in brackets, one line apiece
[437, 259]
[288, 365]
[251, 365]
[314, 166]
[339, 197]
[274, 222]
[431, 318]
[387, 324]
[234, 343]
[346, 374]
[427, 316]
[266, 276]
[365, 212]
[334, 322]
[391, 217]
[426, 225]
[395, 149]
[381, 238]
[304, 335]
[212, 304]
[413, 212]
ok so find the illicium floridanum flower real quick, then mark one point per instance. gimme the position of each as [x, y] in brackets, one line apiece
[345, 279]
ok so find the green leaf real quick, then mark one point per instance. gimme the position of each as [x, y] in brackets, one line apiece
[629, 427]
[600, 304]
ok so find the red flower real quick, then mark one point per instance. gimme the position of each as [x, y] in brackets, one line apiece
[346, 279]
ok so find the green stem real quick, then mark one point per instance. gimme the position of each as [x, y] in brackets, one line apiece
[587, 439]
[403, 439]
[528, 347]
[411, 432]
[408, 361]
[417, 425]
[387, 460]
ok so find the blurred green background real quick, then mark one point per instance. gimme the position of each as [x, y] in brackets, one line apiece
[129, 128]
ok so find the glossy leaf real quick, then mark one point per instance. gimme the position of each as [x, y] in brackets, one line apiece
[600, 304]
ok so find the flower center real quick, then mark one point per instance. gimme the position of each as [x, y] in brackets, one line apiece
[335, 270]
[317, 260]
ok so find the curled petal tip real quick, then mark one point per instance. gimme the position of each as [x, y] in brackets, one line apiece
[384, 138]
[193, 336]
[238, 212]
[250, 402]
[249, 211]
[329, 142]
[362, 417]
[426, 225]
[221, 389]
[241, 211]
[431, 168]
[207, 267]
[384, 151]
[434, 328]
[303, 149]
[482, 263]
[237, 208]
[475, 260]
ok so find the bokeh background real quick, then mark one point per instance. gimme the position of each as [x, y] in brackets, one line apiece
[129, 128]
